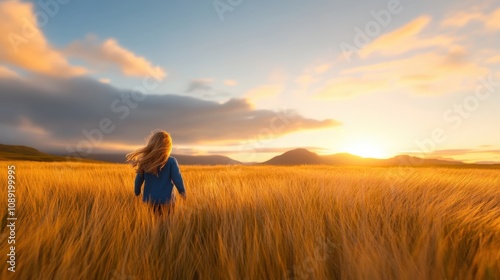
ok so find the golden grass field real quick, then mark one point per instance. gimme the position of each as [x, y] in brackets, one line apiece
[82, 221]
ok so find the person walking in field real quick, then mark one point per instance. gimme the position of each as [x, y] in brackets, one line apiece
[158, 171]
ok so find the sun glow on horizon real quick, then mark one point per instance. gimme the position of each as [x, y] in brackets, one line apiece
[366, 149]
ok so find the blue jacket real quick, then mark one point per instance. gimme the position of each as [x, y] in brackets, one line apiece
[159, 189]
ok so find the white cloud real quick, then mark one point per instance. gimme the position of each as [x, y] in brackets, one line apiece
[429, 73]
[263, 93]
[111, 53]
[24, 45]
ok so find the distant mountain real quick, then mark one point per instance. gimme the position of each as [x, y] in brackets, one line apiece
[13, 152]
[295, 157]
[406, 160]
[303, 156]
[182, 159]
[488, 162]
[205, 160]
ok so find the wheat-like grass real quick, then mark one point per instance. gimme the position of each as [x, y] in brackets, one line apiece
[82, 221]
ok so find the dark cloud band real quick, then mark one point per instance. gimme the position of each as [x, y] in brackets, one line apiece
[70, 111]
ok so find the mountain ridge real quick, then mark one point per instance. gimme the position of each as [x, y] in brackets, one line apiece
[20, 152]
[182, 159]
[299, 156]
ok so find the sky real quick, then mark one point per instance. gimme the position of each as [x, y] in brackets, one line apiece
[253, 79]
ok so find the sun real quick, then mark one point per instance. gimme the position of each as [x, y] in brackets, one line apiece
[367, 149]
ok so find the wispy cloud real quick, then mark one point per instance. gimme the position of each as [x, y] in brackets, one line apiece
[462, 18]
[111, 53]
[203, 84]
[406, 39]
[490, 20]
[230, 82]
[263, 93]
[27, 126]
[322, 68]
[417, 58]
[350, 86]
[311, 76]
[428, 73]
[494, 59]
[7, 73]
[305, 80]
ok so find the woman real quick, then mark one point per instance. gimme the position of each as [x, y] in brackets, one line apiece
[159, 171]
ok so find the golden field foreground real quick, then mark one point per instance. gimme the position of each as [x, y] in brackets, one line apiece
[82, 221]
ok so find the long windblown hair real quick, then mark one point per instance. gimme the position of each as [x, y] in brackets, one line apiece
[153, 157]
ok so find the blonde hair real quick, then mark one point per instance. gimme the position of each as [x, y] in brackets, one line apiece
[154, 156]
